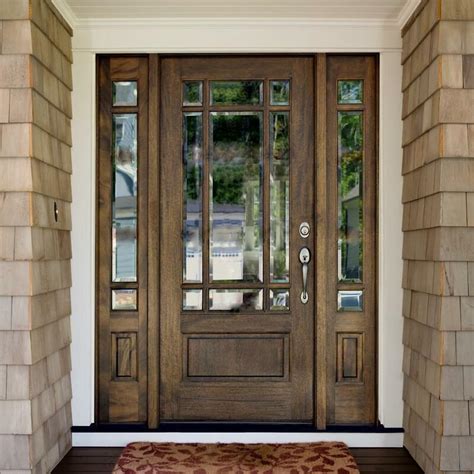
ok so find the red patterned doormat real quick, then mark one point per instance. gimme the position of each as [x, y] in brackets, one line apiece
[292, 458]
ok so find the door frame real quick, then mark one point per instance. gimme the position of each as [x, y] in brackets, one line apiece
[321, 218]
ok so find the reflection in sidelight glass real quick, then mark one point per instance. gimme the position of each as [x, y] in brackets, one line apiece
[192, 300]
[279, 197]
[235, 300]
[279, 92]
[236, 92]
[124, 299]
[236, 196]
[192, 190]
[192, 93]
[124, 197]
[350, 209]
[350, 92]
[350, 300]
[124, 93]
[280, 300]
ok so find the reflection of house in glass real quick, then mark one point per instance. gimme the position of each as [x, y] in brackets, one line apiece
[350, 242]
[124, 208]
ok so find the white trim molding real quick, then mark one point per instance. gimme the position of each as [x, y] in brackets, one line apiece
[235, 34]
[353, 440]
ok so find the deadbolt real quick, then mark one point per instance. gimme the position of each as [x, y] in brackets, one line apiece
[304, 230]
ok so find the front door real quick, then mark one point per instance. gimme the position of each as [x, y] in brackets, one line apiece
[236, 239]
[237, 180]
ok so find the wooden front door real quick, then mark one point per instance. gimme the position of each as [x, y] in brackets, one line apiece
[236, 239]
[237, 180]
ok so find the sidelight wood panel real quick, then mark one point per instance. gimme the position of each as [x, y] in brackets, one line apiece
[350, 352]
[122, 333]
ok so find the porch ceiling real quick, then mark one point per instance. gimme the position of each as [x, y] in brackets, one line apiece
[367, 11]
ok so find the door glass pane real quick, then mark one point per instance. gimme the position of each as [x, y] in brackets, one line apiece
[124, 93]
[350, 300]
[124, 299]
[124, 197]
[192, 300]
[279, 197]
[236, 196]
[235, 300]
[350, 92]
[350, 210]
[192, 93]
[279, 300]
[236, 92]
[279, 92]
[192, 215]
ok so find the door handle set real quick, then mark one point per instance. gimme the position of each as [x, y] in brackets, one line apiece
[305, 258]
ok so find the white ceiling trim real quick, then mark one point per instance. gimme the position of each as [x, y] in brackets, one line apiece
[92, 23]
[407, 11]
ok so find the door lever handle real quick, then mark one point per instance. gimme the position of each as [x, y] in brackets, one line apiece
[305, 258]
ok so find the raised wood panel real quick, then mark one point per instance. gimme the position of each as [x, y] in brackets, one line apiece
[236, 356]
[124, 356]
[349, 357]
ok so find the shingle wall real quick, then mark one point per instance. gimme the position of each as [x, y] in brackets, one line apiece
[35, 248]
[438, 225]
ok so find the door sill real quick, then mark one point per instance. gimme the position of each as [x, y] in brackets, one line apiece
[229, 427]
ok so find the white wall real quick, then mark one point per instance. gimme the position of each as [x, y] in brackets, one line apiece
[249, 37]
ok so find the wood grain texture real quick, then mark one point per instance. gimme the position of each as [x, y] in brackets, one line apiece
[352, 402]
[185, 396]
[122, 335]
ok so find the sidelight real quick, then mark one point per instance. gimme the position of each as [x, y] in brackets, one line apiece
[350, 186]
[350, 92]
[124, 197]
[124, 93]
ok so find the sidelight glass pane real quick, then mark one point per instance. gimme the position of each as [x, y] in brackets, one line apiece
[124, 300]
[350, 300]
[192, 300]
[350, 92]
[192, 93]
[279, 92]
[124, 93]
[280, 300]
[236, 92]
[192, 190]
[124, 197]
[235, 300]
[236, 214]
[350, 209]
[279, 197]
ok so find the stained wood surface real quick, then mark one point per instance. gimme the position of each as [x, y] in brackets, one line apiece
[208, 368]
[121, 335]
[352, 400]
[369, 460]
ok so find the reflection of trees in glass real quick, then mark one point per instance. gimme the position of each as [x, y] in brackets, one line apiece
[279, 194]
[236, 156]
[350, 194]
[236, 92]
